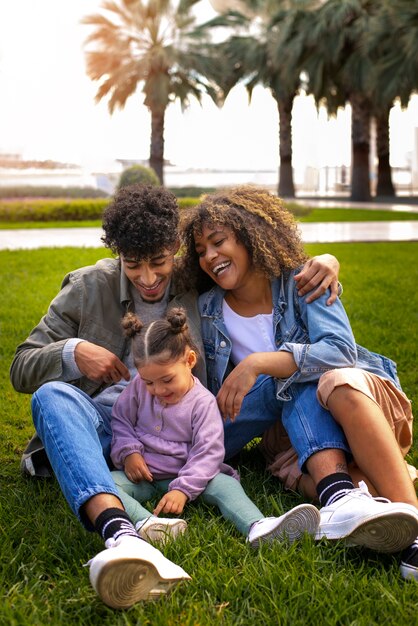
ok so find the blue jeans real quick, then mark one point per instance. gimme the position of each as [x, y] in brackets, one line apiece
[222, 491]
[310, 427]
[76, 435]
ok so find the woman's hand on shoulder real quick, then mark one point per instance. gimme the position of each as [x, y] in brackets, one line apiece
[317, 275]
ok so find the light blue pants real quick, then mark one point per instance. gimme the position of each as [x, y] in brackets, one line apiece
[223, 491]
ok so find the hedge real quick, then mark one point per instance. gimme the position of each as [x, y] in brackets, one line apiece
[59, 210]
[50, 191]
[65, 210]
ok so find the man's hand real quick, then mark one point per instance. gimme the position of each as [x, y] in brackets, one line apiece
[171, 502]
[99, 364]
[136, 469]
[235, 387]
[316, 276]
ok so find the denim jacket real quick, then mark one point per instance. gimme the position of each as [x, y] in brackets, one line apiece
[319, 337]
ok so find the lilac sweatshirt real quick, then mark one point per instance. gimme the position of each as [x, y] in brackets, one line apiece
[184, 440]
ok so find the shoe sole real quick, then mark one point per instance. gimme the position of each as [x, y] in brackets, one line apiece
[123, 582]
[300, 520]
[409, 572]
[161, 533]
[162, 589]
[390, 532]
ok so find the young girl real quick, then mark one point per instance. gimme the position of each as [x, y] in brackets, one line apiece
[266, 347]
[168, 439]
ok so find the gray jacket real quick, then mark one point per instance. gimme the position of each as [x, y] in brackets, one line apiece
[90, 305]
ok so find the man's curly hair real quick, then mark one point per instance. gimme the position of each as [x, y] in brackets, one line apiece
[141, 220]
[259, 221]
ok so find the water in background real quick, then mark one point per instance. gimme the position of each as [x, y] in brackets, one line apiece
[174, 177]
[323, 181]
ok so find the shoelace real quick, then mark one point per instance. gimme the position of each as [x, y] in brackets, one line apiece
[362, 487]
[139, 526]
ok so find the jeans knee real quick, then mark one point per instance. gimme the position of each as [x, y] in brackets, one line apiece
[49, 392]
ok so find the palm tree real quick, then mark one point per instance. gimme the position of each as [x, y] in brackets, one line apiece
[394, 32]
[251, 56]
[384, 185]
[327, 46]
[365, 53]
[149, 44]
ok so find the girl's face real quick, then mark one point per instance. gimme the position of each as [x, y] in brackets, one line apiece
[169, 382]
[225, 259]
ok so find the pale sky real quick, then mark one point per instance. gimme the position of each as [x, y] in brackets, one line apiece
[47, 108]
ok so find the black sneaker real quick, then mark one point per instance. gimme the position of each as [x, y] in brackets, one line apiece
[34, 462]
[409, 562]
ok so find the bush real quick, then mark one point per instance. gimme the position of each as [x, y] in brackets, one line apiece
[138, 174]
[191, 192]
[32, 191]
[83, 209]
[186, 203]
[41, 210]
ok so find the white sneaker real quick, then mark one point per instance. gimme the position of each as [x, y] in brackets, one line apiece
[304, 518]
[375, 523]
[130, 570]
[160, 529]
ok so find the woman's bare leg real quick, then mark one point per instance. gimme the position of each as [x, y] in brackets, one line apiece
[372, 444]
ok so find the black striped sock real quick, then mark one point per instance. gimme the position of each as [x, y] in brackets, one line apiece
[333, 487]
[113, 523]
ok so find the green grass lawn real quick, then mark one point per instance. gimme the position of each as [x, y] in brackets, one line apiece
[357, 215]
[43, 547]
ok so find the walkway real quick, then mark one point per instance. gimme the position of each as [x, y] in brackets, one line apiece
[318, 232]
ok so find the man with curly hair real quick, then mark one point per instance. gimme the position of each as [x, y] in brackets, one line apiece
[77, 360]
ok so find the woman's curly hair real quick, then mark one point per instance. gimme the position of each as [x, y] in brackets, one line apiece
[140, 221]
[259, 221]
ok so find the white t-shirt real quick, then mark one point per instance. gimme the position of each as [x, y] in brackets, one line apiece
[248, 334]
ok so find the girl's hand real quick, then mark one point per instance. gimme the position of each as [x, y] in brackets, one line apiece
[319, 273]
[136, 469]
[235, 388]
[171, 502]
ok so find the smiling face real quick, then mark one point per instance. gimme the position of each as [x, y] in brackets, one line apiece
[225, 259]
[150, 277]
[169, 382]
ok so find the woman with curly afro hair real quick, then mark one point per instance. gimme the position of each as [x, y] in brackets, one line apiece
[270, 355]
[259, 222]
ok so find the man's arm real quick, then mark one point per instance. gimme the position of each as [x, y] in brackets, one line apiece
[317, 275]
[39, 359]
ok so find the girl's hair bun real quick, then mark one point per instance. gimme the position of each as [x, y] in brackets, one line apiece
[132, 325]
[176, 317]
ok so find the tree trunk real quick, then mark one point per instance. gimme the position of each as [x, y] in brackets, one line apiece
[384, 173]
[286, 187]
[360, 141]
[156, 160]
